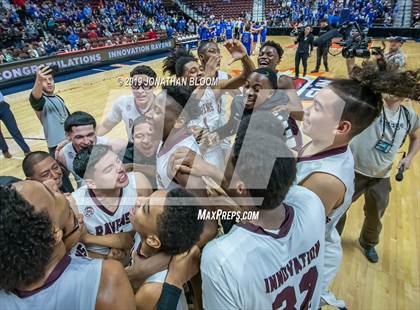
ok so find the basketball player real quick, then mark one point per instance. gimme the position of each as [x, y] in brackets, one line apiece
[169, 118]
[275, 261]
[246, 39]
[106, 199]
[255, 31]
[128, 108]
[46, 277]
[41, 166]
[167, 223]
[80, 131]
[326, 164]
[141, 155]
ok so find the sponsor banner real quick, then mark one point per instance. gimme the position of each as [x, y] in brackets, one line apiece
[308, 86]
[24, 70]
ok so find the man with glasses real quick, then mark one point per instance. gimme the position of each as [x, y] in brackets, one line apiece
[128, 108]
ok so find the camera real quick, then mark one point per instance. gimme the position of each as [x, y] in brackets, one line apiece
[355, 43]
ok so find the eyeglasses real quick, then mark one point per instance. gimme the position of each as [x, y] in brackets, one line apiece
[144, 86]
[75, 228]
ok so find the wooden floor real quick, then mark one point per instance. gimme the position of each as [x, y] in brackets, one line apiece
[393, 283]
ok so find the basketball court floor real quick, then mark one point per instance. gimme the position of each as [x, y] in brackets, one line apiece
[394, 282]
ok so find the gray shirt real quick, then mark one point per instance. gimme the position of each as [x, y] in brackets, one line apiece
[53, 114]
[367, 159]
[396, 58]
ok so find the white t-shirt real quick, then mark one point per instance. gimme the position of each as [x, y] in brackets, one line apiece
[250, 268]
[125, 109]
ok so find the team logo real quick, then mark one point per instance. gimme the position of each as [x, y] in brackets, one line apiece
[72, 155]
[88, 212]
[130, 123]
[128, 107]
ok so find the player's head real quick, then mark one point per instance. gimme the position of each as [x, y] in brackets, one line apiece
[207, 49]
[144, 141]
[323, 22]
[143, 83]
[27, 241]
[259, 87]
[41, 166]
[182, 63]
[260, 166]
[247, 27]
[80, 130]
[168, 221]
[270, 55]
[346, 107]
[172, 110]
[100, 167]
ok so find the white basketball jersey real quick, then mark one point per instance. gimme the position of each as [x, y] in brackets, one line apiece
[73, 284]
[337, 162]
[165, 152]
[100, 221]
[70, 153]
[79, 250]
[212, 117]
[225, 143]
[125, 109]
[252, 268]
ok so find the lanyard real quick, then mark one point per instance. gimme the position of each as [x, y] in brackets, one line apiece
[384, 123]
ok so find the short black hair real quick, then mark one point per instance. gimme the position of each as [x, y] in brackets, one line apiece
[178, 226]
[31, 160]
[275, 45]
[260, 151]
[78, 118]
[27, 241]
[270, 75]
[143, 70]
[362, 105]
[182, 95]
[175, 62]
[85, 161]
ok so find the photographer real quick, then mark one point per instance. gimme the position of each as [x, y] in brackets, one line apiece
[376, 148]
[305, 40]
[395, 55]
[322, 50]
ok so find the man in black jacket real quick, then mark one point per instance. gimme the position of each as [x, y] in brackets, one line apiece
[322, 50]
[305, 41]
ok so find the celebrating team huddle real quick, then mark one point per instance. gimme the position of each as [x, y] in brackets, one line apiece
[130, 235]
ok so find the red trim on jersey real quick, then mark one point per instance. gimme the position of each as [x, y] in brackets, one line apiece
[320, 155]
[52, 277]
[176, 138]
[283, 229]
[100, 205]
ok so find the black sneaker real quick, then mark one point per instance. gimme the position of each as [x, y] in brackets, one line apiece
[6, 154]
[370, 253]
[315, 71]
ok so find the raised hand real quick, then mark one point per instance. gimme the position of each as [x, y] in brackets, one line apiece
[183, 267]
[43, 72]
[236, 49]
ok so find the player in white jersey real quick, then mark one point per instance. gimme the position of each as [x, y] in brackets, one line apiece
[184, 65]
[80, 132]
[275, 261]
[326, 163]
[168, 119]
[106, 199]
[167, 223]
[128, 108]
[46, 277]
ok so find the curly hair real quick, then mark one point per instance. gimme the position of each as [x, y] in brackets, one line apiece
[275, 45]
[175, 62]
[178, 226]
[262, 159]
[26, 239]
[362, 94]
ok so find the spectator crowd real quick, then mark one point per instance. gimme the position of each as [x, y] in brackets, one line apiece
[311, 12]
[31, 29]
